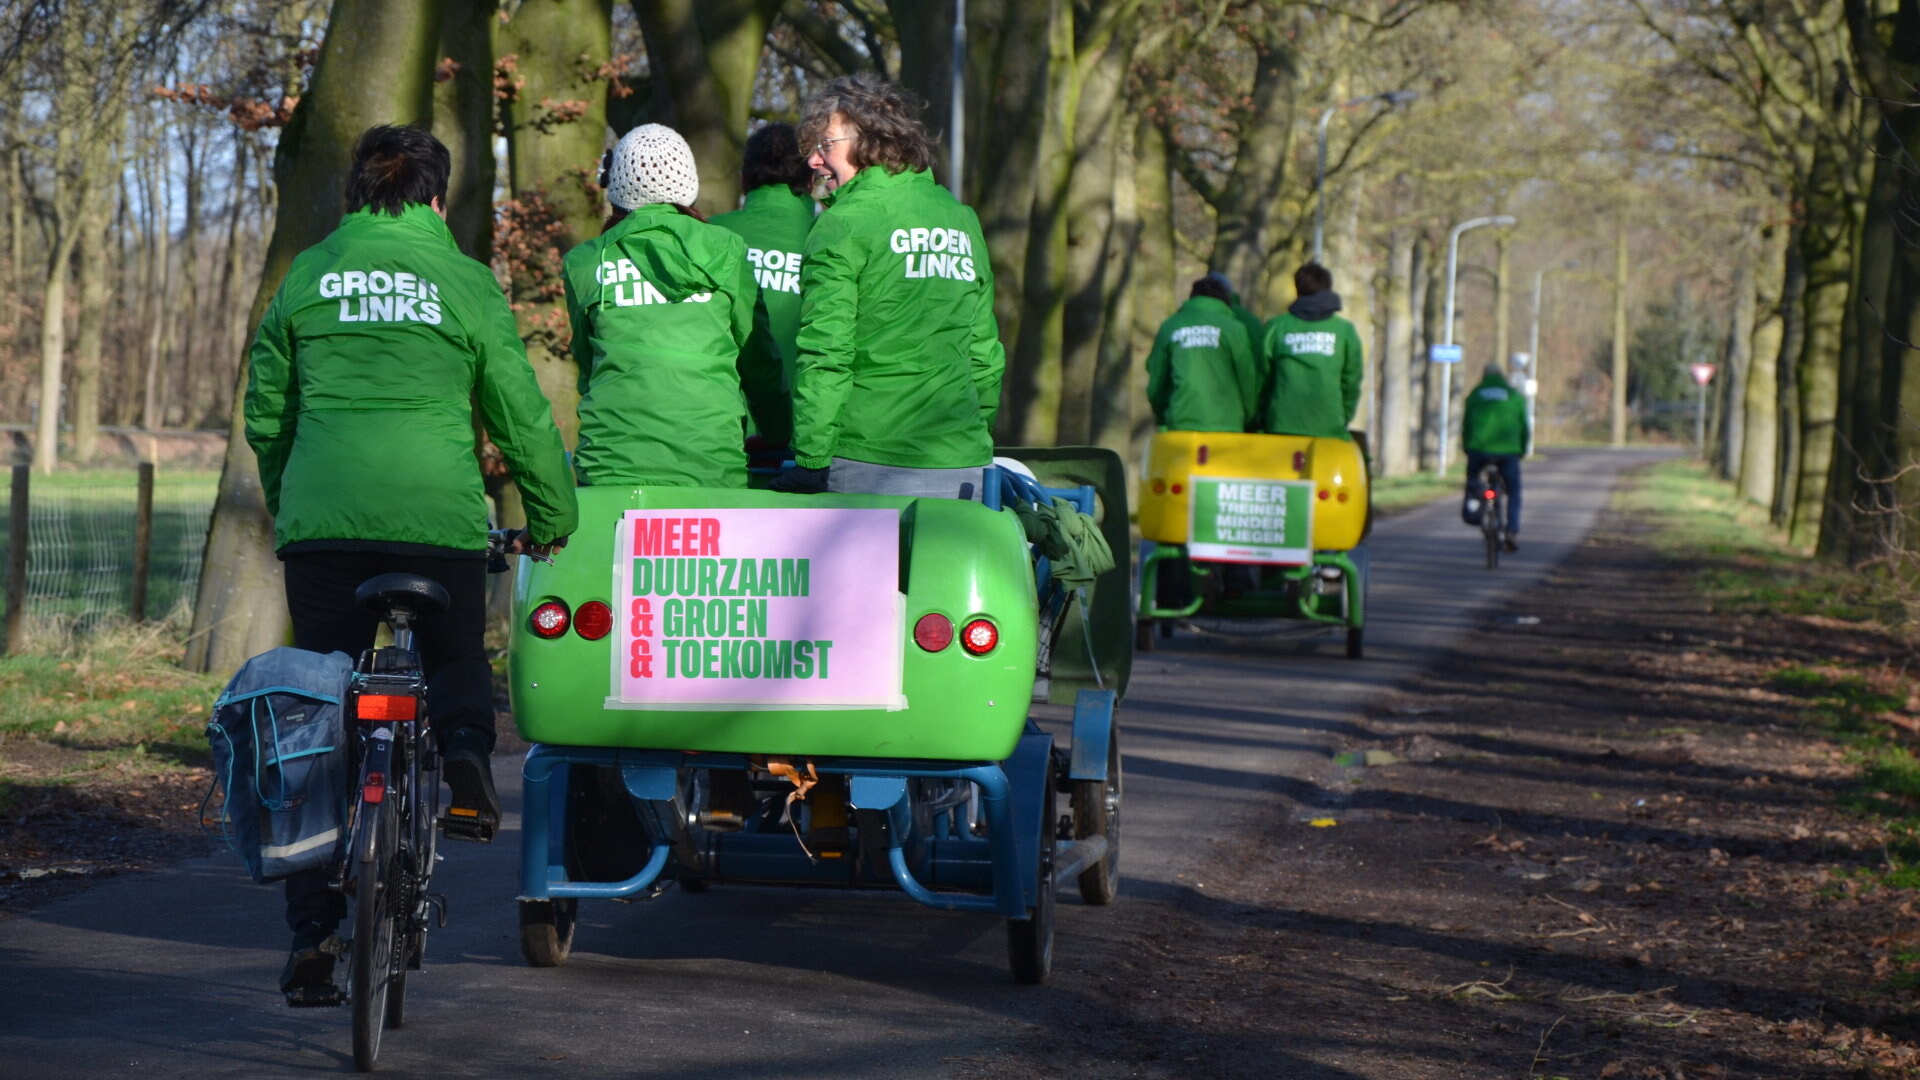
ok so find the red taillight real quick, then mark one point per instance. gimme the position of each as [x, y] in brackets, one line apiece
[1299, 461]
[1342, 497]
[375, 789]
[593, 621]
[933, 632]
[386, 707]
[1323, 494]
[1203, 453]
[1177, 489]
[1489, 495]
[549, 620]
[1159, 487]
[979, 637]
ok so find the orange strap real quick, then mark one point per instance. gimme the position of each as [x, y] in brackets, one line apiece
[802, 782]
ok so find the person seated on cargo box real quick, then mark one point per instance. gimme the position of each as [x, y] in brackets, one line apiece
[774, 218]
[668, 331]
[380, 348]
[1201, 372]
[1314, 364]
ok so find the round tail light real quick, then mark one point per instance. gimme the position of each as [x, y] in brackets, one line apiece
[933, 632]
[549, 620]
[593, 620]
[979, 637]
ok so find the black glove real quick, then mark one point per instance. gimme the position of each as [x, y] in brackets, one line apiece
[797, 480]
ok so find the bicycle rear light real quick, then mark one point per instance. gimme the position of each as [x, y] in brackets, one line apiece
[933, 632]
[979, 637]
[549, 620]
[386, 707]
[1489, 494]
[593, 620]
[375, 789]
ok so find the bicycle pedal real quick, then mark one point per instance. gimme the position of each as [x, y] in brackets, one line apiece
[316, 997]
[462, 824]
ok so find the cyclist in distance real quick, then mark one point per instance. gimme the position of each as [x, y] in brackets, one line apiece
[898, 374]
[668, 330]
[370, 364]
[1202, 373]
[1494, 430]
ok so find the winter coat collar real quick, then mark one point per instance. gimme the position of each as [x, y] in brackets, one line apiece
[1317, 306]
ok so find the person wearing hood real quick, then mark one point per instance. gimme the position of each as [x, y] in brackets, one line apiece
[1314, 362]
[897, 378]
[1256, 330]
[774, 218]
[1202, 374]
[380, 347]
[1494, 431]
[668, 331]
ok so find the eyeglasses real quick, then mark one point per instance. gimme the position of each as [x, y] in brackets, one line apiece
[820, 148]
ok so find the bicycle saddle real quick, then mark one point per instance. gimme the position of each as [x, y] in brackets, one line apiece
[422, 596]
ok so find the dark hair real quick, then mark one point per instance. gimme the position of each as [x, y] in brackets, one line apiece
[885, 118]
[1211, 286]
[773, 157]
[1312, 278]
[394, 167]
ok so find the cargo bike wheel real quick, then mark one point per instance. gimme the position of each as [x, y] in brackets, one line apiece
[1030, 940]
[1096, 812]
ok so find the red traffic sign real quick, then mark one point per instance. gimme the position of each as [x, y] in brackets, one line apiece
[1703, 373]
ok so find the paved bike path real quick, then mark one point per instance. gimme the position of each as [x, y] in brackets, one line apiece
[171, 974]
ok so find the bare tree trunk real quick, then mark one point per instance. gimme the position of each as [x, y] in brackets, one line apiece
[1759, 451]
[1032, 398]
[159, 339]
[91, 324]
[705, 55]
[1793, 322]
[1737, 361]
[1829, 270]
[376, 66]
[463, 120]
[1397, 418]
[1095, 255]
[192, 362]
[1243, 242]
[1428, 280]
[1355, 285]
[1618, 409]
[1116, 398]
[1502, 299]
[232, 336]
[1154, 289]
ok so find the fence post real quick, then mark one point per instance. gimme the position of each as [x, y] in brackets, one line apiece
[142, 541]
[17, 561]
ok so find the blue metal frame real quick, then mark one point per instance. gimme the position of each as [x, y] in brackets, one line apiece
[1092, 734]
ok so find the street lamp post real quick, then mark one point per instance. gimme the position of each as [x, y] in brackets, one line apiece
[957, 108]
[1396, 97]
[1446, 370]
[1533, 353]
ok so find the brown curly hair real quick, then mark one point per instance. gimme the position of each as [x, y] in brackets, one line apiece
[885, 118]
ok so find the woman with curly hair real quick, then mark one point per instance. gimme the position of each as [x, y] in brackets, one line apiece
[897, 377]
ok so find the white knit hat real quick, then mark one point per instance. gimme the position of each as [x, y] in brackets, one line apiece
[652, 164]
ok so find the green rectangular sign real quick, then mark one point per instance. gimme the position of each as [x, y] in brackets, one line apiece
[1251, 521]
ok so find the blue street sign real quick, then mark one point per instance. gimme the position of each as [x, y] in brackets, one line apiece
[1445, 354]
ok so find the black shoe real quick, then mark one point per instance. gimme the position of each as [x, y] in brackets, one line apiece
[1512, 544]
[308, 977]
[475, 812]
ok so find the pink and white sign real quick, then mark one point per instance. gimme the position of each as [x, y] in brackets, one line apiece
[766, 609]
[1703, 373]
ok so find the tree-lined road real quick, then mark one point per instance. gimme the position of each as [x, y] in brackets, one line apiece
[172, 973]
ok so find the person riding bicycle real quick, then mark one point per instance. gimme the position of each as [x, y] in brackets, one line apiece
[1314, 362]
[1202, 372]
[1494, 431]
[898, 375]
[364, 380]
[668, 330]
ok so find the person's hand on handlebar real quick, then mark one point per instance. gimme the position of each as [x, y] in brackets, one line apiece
[523, 545]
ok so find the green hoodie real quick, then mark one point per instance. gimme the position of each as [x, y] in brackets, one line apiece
[669, 334]
[899, 355]
[774, 222]
[1495, 420]
[363, 383]
[1314, 370]
[1201, 374]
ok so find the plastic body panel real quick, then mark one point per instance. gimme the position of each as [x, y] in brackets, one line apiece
[1336, 468]
[959, 559]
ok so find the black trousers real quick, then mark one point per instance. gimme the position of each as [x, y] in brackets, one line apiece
[452, 646]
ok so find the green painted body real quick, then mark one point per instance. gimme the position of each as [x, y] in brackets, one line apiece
[959, 559]
[1284, 592]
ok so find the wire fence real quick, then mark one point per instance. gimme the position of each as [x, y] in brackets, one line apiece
[81, 532]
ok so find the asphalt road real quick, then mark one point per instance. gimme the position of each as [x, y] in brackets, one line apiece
[172, 974]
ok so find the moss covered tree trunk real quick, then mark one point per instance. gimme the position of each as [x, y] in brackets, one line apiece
[1759, 450]
[705, 55]
[1394, 440]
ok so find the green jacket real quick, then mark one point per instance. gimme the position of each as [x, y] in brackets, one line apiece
[363, 384]
[1314, 371]
[1201, 374]
[664, 312]
[774, 223]
[899, 354]
[1495, 420]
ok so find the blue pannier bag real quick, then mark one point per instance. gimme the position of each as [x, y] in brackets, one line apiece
[280, 756]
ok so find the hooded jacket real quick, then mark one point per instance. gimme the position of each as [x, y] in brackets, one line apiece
[1314, 369]
[899, 357]
[363, 382]
[664, 310]
[774, 222]
[1495, 420]
[1202, 374]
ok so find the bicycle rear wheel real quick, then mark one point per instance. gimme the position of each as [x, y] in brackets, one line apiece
[373, 932]
[411, 911]
[1491, 532]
